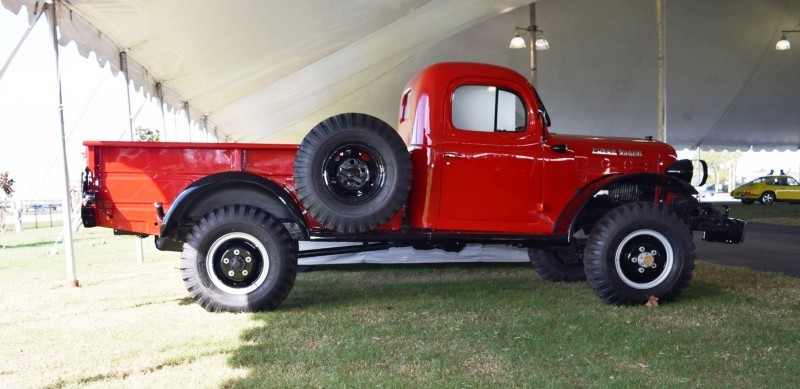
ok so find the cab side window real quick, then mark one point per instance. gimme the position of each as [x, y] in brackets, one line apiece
[791, 181]
[488, 109]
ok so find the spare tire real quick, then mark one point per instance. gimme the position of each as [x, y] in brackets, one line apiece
[352, 172]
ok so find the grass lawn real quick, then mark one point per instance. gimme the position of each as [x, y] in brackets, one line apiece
[778, 213]
[446, 325]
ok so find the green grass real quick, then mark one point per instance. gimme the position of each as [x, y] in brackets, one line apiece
[778, 213]
[444, 325]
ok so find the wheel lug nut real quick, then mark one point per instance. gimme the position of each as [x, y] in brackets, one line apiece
[641, 270]
[641, 249]
[226, 261]
[235, 252]
[244, 272]
[248, 259]
[231, 273]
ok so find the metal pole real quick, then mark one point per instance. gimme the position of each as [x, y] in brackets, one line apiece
[205, 126]
[123, 64]
[188, 119]
[662, 69]
[533, 41]
[139, 253]
[160, 93]
[65, 198]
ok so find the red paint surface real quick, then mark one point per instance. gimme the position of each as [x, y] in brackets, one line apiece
[463, 181]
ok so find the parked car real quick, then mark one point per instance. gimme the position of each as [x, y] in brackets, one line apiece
[705, 191]
[768, 189]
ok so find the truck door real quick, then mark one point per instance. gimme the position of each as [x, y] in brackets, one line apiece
[491, 167]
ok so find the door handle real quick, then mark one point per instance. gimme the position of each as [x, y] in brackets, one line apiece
[454, 155]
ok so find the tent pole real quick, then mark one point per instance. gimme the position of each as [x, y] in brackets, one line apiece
[123, 64]
[188, 119]
[662, 69]
[19, 45]
[160, 93]
[205, 127]
[65, 199]
[533, 40]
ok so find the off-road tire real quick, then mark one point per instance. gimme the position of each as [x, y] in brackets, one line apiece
[556, 266]
[239, 259]
[352, 172]
[624, 246]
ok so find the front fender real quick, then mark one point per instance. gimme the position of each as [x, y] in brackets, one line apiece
[667, 184]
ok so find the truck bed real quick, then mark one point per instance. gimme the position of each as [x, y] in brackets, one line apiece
[131, 176]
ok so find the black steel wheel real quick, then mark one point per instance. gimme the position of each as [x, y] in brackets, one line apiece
[239, 258]
[557, 266]
[767, 198]
[639, 250]
[352, 172]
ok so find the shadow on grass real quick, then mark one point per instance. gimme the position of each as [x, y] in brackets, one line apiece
[502, 325]
[339, 323]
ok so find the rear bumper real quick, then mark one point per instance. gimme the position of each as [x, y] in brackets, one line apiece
[88, 216]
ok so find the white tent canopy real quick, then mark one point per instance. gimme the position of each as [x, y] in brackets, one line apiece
[268, 71]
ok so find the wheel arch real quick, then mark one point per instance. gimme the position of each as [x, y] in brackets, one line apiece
[228, 188]
[590, 204]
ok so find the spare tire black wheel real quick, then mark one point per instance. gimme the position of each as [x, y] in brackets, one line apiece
[352, 172]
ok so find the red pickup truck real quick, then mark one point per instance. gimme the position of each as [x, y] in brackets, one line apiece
[472, 161]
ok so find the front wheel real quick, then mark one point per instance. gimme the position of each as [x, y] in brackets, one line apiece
[639, 250]
[239, 259]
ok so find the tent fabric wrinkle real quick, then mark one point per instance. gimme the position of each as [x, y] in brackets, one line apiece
[268, 71]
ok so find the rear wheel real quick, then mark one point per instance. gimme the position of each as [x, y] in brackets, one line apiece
[767, 198]
[557, 266]
[239, 258]
[639, 250]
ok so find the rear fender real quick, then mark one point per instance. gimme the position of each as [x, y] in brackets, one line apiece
[649, 187]
[228, 188]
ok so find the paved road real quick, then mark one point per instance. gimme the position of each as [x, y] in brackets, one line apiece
[766, 247]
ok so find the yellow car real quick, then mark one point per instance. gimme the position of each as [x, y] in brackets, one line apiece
[768, 190]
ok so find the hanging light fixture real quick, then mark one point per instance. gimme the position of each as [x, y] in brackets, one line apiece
[517, 42]
[541, 43]
[784, 43]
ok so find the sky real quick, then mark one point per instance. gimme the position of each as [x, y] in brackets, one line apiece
[96, 108]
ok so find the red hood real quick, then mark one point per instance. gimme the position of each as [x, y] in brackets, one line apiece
[599, 156]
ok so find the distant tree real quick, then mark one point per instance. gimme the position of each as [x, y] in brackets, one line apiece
[143, 134]
[7, 185]
[719, 162]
